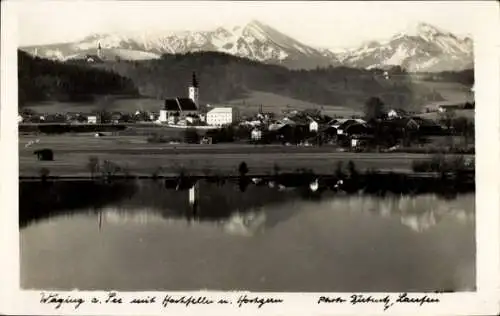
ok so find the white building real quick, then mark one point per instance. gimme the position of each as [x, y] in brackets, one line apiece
[313, 126]
[222, 116]
[396, 113]
[256, 134]
[92, 119]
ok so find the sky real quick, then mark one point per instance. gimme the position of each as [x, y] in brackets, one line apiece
[326, 24]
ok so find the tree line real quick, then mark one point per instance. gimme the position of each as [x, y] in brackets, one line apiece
[225, 77]
[42, 79]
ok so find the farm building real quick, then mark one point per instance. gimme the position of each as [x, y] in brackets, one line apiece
[445, 106]
[397, 113]
[93, 119]
[44, 154]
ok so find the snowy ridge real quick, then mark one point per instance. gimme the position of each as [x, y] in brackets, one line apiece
[254, 40]
[421, 47]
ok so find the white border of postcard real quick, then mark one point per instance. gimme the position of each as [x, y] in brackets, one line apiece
[483, 302]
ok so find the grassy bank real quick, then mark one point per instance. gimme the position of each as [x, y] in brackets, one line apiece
[134, 155]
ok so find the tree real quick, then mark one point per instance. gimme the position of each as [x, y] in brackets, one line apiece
[109, 168]
[191, 136]
[374, 108]
[93, 165]
[44, 173]
[243, 168]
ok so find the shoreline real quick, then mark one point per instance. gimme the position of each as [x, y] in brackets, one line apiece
[299, 175]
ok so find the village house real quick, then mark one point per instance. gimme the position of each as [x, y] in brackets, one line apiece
[361, 141]
[177, 109]
[396, 113]
[256, 134]
[427, 127]
[446, 106]
[94, 119]
[313, 126]
[116, 117]
[343, 124]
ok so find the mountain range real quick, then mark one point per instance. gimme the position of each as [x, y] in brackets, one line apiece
[421, 48]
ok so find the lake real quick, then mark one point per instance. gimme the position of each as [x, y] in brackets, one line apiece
[146, 235]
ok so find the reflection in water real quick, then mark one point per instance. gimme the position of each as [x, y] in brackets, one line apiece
[419, 213]
[206, 235]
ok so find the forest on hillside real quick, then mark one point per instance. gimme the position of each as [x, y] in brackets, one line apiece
[225, 77]
[222, 78]
[42, 79]
[465, 77]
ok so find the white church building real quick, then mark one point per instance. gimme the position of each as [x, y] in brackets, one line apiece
[181, 108]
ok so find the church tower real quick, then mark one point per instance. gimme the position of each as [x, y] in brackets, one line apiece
[193, 90]
[99, 51]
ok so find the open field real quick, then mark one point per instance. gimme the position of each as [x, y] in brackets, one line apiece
[250, 105]
[469, 114]
[72, 154]
[450, 91]
[123, 104]
[277, 103]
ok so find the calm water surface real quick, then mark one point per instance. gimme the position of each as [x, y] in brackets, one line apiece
[143, 236]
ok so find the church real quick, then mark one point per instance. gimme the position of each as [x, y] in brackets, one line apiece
[95, 58]
[180, 109]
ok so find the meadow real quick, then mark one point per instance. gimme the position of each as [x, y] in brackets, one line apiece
[251, 104]
[134, 155]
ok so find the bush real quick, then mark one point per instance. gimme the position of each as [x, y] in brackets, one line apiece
[157, 172]
[191, 136]
[439, 163]
[109, 168]
[156, 138]
[243, 168]
[44, 173]
[93, 165]
[161, 139]
[276, 169]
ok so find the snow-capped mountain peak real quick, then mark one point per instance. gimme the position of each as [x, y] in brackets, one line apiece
[421, 47]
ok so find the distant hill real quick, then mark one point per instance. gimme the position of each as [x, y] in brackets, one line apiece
[224, 77]
[464, 77]
[42, 79]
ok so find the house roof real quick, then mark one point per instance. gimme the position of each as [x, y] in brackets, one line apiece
[277, 126]
[346, 124]
[225, 110]
[357, 127]
[398, 111]
[424, 122]
[298, 120]
[456, 103]
[402, 122]
[180, 104]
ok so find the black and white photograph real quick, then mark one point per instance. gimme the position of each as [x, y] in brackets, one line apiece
[247, 146]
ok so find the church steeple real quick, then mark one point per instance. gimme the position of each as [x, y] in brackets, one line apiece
[99, 51]
[194, 84]
[193, 90]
